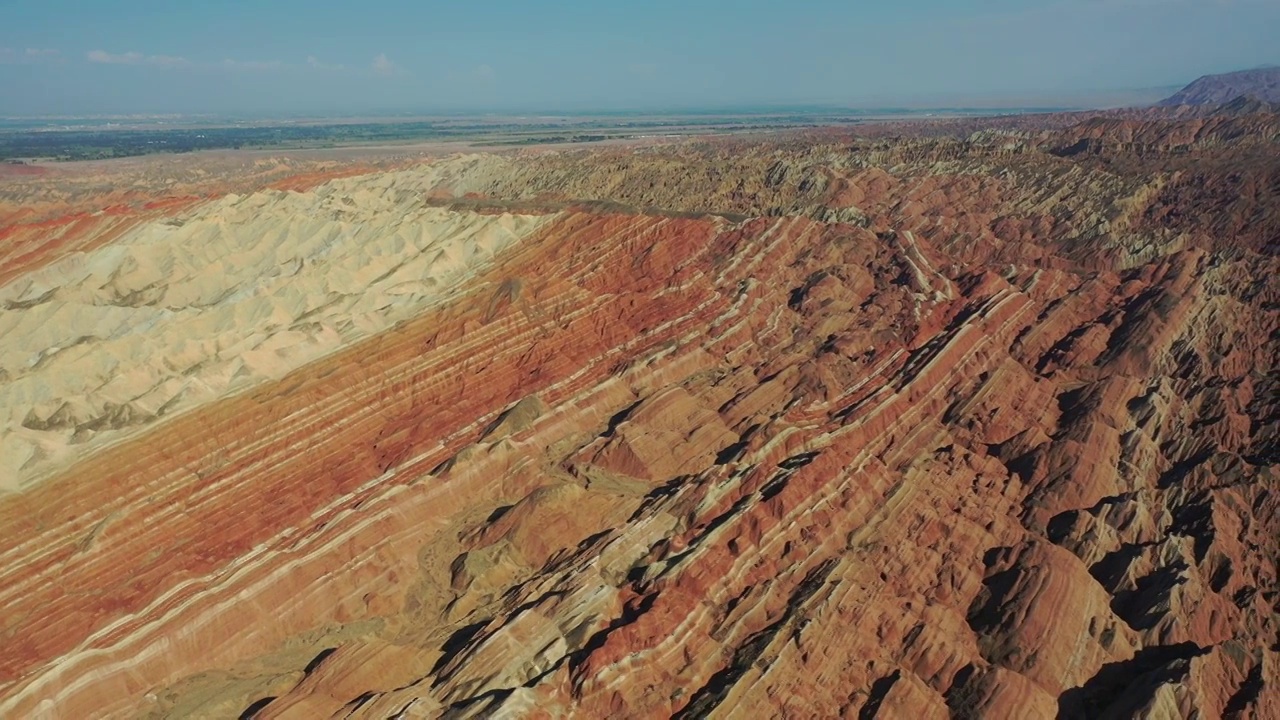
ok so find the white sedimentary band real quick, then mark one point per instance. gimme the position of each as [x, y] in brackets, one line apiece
[181, 312]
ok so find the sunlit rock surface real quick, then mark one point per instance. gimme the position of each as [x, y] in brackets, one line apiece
[875, 426]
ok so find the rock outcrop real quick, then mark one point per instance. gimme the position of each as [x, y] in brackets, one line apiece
[181, 312]
[923, 426]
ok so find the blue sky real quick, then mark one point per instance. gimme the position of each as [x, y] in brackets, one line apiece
[317, 56]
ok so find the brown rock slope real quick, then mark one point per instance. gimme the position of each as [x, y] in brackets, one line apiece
[913, 427]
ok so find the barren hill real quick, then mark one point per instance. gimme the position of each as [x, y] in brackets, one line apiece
[1259, 84]
[895, 424]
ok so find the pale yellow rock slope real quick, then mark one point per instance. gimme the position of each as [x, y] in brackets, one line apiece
[183, 311]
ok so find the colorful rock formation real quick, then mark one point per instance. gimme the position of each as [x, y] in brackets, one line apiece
[921, 426]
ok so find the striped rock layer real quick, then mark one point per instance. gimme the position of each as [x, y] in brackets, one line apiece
[353, 450]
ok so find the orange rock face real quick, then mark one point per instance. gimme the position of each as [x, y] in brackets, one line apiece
[910, 427]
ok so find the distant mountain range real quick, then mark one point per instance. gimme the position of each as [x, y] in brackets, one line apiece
[1259, 84]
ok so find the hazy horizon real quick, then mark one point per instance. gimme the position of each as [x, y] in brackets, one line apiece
[299, 59]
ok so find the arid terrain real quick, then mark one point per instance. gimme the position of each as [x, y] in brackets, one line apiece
[1260, 84]
[972, 418]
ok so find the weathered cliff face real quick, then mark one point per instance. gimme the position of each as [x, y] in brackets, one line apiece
[913, 428]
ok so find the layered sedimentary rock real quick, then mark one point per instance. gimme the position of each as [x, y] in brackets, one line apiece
[177, 313]
[881, 428]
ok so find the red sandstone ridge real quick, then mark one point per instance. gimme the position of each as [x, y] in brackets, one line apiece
[832, 427]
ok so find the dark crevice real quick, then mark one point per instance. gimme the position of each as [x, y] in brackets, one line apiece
[618, 418]
[665, 490]
[879, 689]
[1247, 695]
[1110, 570]
[1060, 525]
[799, 294]
[1183, 468]
[1120, 688]
[988, 607]
[775, 486]
[490, 699]
[731, 453]
[1244, 596]
[734, 510]
[359, 701]
[963, 695]
[318, 659]
[709, 696]
[630, 613]
[456, 642]
[798, 461]
[1142, 607]
[497, 514]
[1195, 520]
[257, 707]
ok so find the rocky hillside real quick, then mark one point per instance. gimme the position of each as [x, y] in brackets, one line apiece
[1259, 84]
[887, 425]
